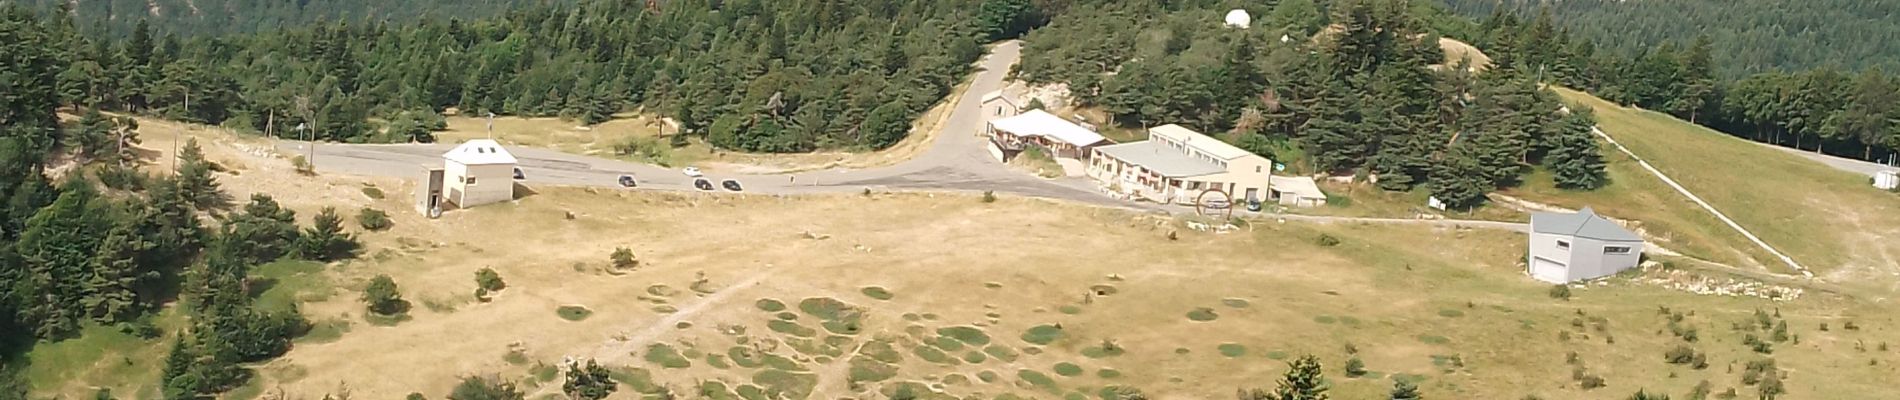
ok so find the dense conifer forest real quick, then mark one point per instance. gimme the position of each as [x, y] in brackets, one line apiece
[220, 17]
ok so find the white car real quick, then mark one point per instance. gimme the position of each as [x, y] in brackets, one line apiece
[692, 172]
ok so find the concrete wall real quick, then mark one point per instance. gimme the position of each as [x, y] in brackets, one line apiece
[1584, 259]
[493, 183]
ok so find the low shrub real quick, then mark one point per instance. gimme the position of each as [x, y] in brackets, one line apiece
[373, 219]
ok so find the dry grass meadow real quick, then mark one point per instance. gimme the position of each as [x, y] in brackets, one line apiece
[853, 296]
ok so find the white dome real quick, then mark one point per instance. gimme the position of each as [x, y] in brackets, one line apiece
[1239, 19]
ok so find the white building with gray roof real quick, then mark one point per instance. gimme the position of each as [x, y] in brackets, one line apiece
[1567, 247]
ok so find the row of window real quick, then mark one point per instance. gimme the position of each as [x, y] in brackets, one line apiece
[1564, 244]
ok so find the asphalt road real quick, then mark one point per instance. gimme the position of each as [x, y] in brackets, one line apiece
[1863, 168]
[957, 160]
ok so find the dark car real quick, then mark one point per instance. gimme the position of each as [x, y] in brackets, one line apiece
[519, 175]
[703, 184]
[732, 185]
[627, 181]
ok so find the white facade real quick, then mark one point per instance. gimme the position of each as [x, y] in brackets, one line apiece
[1567, 248]
[478, 172]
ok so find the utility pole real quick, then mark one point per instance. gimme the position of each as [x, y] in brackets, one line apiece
[491, 125]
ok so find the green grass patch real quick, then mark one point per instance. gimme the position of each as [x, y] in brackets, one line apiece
[947, 343]
[987, 376]
[882, 351]
[974, 357]
[1277, 355]
[967, 334]
[666, 356]
[638, 379]
[543, 372]
[744, 357]
[715, 390]
[105, 356]
[1326, 319]
[1234, 302]
[1233, 350]
[1451, 313]
[1039, 380]
[932, 354]
[1001, 352]
[1067, 369]
[877, 292]
[373, 192]
[791, 385]
[573, 313]
[1070, 309]
[1108, 373]
[774, 361]
[325, 331]
[751, 392]
[288, 283]
[1043, 334]
[787, 316]
[769, 305]
[866, 369]
[1434, 339]
[1202, 314]
[1103, 351]
[717, 361]
[791, 328]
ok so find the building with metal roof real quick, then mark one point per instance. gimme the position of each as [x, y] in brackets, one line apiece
[1179, 165]
[1570, 247]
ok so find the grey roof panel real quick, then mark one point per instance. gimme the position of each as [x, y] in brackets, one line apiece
[1161, 159]
[1585, 223]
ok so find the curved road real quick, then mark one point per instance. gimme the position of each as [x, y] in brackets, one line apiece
[958, 160]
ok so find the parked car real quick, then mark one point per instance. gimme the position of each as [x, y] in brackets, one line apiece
[519, 175]
[732, 185]
[692, 172]
[1253, 205]
[628, 181]
[1217, 204]
[703, 184]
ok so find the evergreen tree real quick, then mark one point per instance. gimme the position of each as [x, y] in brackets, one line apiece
[264, 232]
[591, 382]
[57, 247]
[886, 125]
[325, 240]
[116, 277]
[1303, 381]
[1575, 161]
[194, 176]
[383, 297]
[1405, 390]
[1459, 180]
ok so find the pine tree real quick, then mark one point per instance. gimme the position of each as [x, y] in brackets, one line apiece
[194, 176]
[57, 247]
[1403, 389]
[1575, 161]
[264, 232]
[325, 240]
[886, 125]
[1459, 180]
[1303, 381]
[112, 291]
[591, 382]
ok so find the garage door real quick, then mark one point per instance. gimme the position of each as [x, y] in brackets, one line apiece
[1548, 271]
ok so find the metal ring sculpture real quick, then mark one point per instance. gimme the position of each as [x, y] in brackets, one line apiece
[1200, 203]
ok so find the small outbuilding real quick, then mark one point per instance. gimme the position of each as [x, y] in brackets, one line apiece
[1296, 191]
[478, 172]
[1570, 247]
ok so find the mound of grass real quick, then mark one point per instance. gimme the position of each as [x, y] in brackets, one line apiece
[1001, 352]
[1043, 335]
[1277, 355]
[1070, 309]
[781, 363]
[947, 343]
[1103, 351]
[324, 331]
[1326, 319]
[289, 282]
[864, 369]
[825, 307]
[974, 357]
[787, 316]
[932, 354]
[1039, 380]
[1434, 339]
[715, 390]
[1067, 369]
[1233, 350]
[876, 292]
[967, 334]
[373, 192]
[543, 372]
[790, 385]
[717, 361]
[573, 313]
[1202, 314]
[987, 376]
[1348, 320]
[882, 351]
[791, 328]
[770, 305]
[666, 356]
[1108, 373]
[1451, 313]
[744, 357]
[638, 379]
[955, 380]
[1234, 302]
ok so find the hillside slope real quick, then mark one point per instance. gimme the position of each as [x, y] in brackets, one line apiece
[1750, 35]
[1831, 221]
[213, 17]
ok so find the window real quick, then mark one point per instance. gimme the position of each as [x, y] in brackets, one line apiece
[468, 180]
[1563, 245]
[1616, 249]
[1256, 169]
